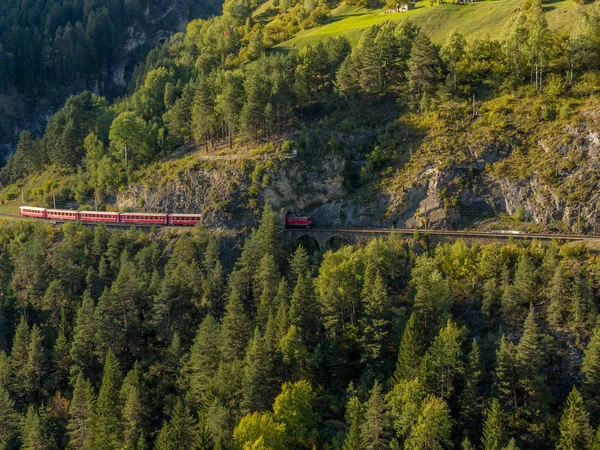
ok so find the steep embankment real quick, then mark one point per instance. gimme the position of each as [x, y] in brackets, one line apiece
[518, 163]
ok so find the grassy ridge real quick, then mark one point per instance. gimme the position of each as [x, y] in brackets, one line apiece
[473, 20]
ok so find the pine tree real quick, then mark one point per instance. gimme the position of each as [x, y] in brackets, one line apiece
[203, 439]
[83, 348]
[235, 329]
[9, 419]
[18, 357]
[299, 264]
[557, 293]
[203, 361]
[505, 377]
[433, 428]
[354, 420]
[132, 418]
[303, 310]
[530, 361]
[470, 399]
[80, 415]
[32, 434]
[575, 430]
[422, 70]
[494, 427]
[512, 445]
[375, 323]
[178, 433]
[443, 361]
[581, 307]
[106, 422]
[34, 369]
[522, 292]
[432, 299]
[375, 431]
[257, 373]
[61, 359]
[591, 372]
[410, 353]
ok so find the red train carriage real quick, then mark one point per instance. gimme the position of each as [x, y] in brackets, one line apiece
[144, 218]
[99, 216]
[62, 214]
[31, 211]
[184, 219]
[292, 220]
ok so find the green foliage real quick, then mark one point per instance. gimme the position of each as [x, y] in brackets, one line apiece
[575, 429]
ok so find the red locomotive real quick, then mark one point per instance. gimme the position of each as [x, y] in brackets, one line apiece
[293, 221]
[112, 217]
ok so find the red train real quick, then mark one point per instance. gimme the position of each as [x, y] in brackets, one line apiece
[112, 217]
[293, 221]
[141, 218]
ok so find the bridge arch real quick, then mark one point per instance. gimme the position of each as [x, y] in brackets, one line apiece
[336, 242]
[310, 244]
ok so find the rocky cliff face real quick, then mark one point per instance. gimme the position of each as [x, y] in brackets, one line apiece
[560, 190]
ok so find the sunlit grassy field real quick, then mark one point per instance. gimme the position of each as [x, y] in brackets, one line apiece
[473, 20]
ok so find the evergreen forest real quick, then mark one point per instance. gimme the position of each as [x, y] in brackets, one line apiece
[115, 339]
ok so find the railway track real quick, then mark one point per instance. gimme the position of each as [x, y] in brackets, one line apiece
[462, 233]
[386, 231]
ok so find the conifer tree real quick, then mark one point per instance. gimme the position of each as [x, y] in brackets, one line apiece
[375, 428]
[494, 427]
[530, 361]
[354, 420]
[9, 419]
[433, 428]
[410, 353]
[421, 74]
[106, 422]
[470, 399]
[558, 291]
[432, 299]
[257, 372]
[80, 415]
[61, 358]
[235, 329]
[18, 357]
[212, 287]
[265, 285]
[203, 361]
[443, 361]
[574, 427]
[505, 376]
[34, 369]
[591, 372]
[32, 434]
[512, 445]
[5, 370]
[203, 439]
[299, 264]
[83, 348]
[303, 310]
[132, 418]
[581, 308]
[376, 323]
[179, 432]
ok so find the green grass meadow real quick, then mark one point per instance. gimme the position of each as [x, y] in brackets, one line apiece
[473, 20]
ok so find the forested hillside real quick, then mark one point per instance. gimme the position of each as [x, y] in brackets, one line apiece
[438, 134]
[112, 339]
[51, 49]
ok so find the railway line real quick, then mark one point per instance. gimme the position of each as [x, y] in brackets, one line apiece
[380, 231]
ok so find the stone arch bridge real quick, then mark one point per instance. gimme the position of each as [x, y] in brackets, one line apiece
[332, 238]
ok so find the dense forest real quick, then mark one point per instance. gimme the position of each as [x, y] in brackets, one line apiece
[114, 339]
[52, 49]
